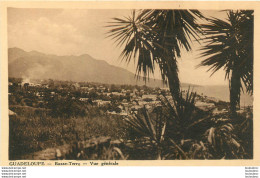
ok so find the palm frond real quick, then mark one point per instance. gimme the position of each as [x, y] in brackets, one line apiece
[151, 35]
[229, 46]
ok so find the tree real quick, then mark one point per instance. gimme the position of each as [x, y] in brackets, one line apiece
[156, 37]
[229, 45]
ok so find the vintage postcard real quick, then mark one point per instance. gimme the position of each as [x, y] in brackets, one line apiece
[129, 83]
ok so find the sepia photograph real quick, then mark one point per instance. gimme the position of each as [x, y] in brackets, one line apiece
[130, 84]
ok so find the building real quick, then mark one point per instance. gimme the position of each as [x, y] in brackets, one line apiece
[84, 99]
[152, 97]
[101, 102]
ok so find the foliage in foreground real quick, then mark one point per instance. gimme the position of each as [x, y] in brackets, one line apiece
[174, 130]
[180, 131]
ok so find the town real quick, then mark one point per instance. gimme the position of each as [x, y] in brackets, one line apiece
[113, 99]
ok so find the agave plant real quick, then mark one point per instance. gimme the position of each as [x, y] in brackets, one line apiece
[171, 127]
[181, 115]
[154, 130]
[244, 131]
[224, 143]
[196, 150]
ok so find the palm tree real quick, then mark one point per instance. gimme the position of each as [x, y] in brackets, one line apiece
[156, 37]
[229, 45]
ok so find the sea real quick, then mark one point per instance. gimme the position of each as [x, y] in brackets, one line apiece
[220, 92]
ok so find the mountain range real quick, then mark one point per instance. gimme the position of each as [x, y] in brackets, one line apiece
[83, 68]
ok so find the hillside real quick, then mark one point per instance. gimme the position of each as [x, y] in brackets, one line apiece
[75, 68]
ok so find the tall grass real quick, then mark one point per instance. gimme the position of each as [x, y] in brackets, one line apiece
[31, 134]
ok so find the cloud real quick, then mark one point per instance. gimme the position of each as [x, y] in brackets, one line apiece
[46, 36]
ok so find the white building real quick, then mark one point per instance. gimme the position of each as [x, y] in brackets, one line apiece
[84, 99]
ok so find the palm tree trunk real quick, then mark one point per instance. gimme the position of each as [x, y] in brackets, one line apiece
[235, 85]
[173, 80]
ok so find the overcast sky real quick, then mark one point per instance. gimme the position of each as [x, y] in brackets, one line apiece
[78, 31]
